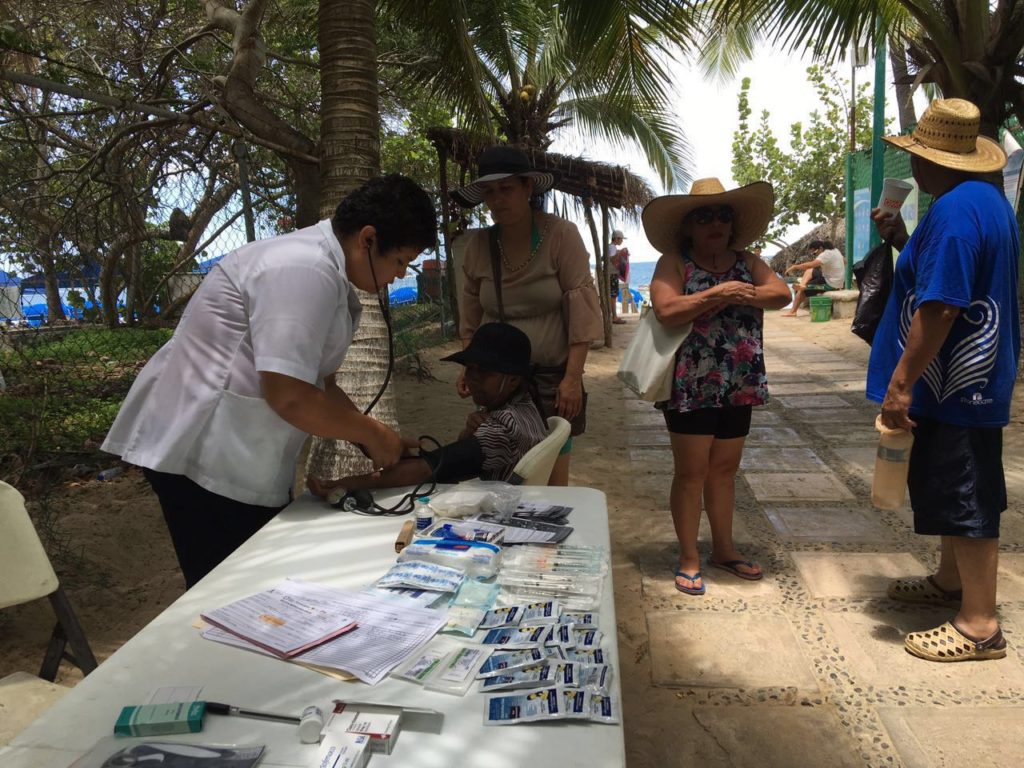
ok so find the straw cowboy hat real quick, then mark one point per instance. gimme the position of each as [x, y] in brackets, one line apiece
[947, 135]
[753, 205]
[496, 163]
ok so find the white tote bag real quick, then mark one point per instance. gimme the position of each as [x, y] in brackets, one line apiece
[649, 362]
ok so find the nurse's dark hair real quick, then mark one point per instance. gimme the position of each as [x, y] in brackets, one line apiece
[394, 205]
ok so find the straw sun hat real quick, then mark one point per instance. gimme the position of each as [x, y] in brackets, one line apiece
[947, 135]
[752, 204]
[496, 163]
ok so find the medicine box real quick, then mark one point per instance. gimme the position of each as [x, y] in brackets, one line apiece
[381, 724]
[341, 749]
[161, 719]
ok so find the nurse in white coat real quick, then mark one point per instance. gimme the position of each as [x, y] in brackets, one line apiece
[219, 414]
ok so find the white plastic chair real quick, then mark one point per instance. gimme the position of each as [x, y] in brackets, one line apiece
[535, 467]
[26, 575]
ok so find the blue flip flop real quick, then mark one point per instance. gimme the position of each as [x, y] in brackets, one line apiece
[732, 566]
[692, 577]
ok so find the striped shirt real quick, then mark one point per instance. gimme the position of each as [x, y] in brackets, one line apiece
[507, 434]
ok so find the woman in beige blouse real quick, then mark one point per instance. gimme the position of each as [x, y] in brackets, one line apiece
[546, 289]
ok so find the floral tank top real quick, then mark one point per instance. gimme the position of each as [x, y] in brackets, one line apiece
[721, 362]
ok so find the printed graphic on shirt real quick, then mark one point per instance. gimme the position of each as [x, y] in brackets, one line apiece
[970, 362]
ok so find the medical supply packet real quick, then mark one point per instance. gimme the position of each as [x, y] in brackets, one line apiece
[468, 530]
[561, 635]
[457, 671]
[502, 663]
[582, 619]
[422, 597]
[559, 558]
[542, 705]
[508, 616]
[420, 575]
[587, 655]
[565, 673]
[470, 606]
[596, 677]
[605, 708]
[516, 637]
[586, 638]
[546, 612]
[477, 559]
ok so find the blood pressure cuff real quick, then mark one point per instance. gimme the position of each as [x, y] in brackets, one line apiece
[455, 462]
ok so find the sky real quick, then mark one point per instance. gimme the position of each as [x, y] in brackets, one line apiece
[709, 117]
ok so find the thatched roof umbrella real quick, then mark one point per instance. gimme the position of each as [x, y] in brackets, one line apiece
[602, 184]
[833, 231]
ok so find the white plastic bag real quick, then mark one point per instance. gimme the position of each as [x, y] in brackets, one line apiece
[649, 362]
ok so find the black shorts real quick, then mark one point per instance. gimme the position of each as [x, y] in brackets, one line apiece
[956, 480]
[724, 423]
[614, 283]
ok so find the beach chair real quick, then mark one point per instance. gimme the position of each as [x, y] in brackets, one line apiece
[535, 467]
[26, 574]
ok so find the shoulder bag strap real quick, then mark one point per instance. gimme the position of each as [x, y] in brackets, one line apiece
[496, 269]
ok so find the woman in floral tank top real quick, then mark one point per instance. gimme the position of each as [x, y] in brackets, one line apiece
[704, 277]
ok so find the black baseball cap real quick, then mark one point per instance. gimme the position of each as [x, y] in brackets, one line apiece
[497, 347]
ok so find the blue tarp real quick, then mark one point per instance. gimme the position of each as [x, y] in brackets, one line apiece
[404, 295]
[203, 267]
[6, 278]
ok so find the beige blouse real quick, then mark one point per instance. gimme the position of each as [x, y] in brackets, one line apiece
[552, 300]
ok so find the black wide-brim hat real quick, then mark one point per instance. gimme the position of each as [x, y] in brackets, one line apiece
[497, 163]
[497, 347]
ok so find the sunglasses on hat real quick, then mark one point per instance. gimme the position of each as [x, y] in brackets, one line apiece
[707, 215]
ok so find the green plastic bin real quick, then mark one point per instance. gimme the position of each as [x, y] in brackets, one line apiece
[821, 309]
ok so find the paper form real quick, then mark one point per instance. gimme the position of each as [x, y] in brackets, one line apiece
[388, 632]
[282, 620]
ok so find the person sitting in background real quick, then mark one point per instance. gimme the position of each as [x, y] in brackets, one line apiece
[506, 424]
[826, 271]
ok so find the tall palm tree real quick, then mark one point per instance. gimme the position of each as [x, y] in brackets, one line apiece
[350, 156]
[523, 69]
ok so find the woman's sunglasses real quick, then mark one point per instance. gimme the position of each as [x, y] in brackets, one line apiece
[707, 215]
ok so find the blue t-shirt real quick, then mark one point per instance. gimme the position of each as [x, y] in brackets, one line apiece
[963, 253]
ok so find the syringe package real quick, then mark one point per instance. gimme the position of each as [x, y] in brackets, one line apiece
[502, 663]
[477, 559]
[541, 705]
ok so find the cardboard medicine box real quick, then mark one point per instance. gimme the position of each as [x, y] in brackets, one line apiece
[381, 724]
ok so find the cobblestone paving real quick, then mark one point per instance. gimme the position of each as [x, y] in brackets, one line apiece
[816, 637]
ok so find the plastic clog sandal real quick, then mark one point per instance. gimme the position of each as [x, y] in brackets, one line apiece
[947, 643]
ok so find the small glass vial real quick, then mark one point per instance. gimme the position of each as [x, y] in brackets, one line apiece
[424, 514]
[892, 462]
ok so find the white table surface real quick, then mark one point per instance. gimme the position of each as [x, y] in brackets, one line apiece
[309, 540]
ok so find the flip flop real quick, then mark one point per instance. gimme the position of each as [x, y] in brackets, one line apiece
[947, 643]
[619, 321]
[732, 566]
[692, 577]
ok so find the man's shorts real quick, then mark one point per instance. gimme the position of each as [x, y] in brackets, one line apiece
[723, 423]
[956, 480]
[614, 284]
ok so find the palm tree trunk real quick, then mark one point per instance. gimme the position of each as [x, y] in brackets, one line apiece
[904, 93]
[349, 156]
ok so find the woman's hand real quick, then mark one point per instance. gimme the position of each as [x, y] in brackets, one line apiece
[569, 396]
[321, 487]
[460, 384]
[735, 292]
[473, 420]
[384, 447]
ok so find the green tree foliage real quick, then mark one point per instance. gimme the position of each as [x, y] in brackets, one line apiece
[809, 177]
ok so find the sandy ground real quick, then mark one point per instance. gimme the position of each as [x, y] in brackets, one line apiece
[124, 572]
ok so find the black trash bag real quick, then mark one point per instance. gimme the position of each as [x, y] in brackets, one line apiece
[874, 278]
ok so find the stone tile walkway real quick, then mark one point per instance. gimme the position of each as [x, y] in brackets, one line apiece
[806, 667]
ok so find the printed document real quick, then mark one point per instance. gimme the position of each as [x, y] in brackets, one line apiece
[282, 620]
[388, 631]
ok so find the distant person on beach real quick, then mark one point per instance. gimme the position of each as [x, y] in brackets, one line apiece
[943, 364]
[618, 257]
[505, 425]
[705, 277]
[825, 271]
[531, 270]
[218, 415]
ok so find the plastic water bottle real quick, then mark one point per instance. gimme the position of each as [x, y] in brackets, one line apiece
[110, 474]
[424, 514]
[892, 462]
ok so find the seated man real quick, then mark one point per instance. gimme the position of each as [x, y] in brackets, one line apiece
[826, 271]
[506, 424]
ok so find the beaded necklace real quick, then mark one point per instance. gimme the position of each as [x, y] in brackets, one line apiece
[536, 238]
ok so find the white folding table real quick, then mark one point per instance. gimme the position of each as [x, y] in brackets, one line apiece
[311, 541]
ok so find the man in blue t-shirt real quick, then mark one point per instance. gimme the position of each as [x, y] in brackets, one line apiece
[943, 364]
